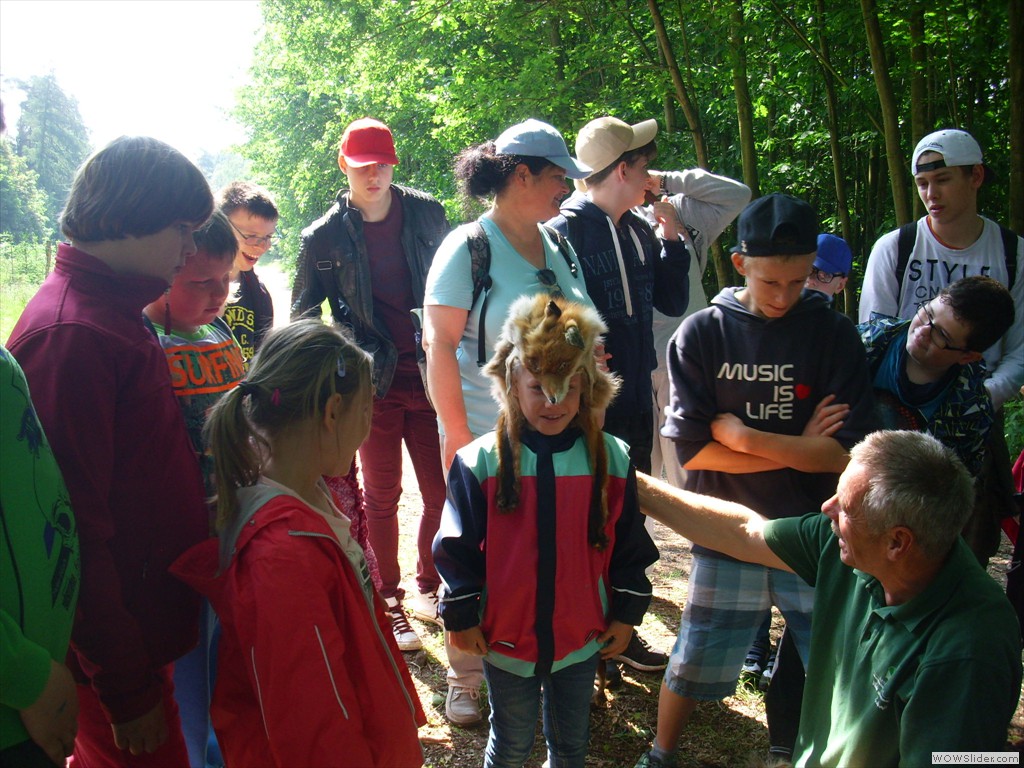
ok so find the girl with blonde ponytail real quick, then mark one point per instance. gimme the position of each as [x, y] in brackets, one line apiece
[303, 628]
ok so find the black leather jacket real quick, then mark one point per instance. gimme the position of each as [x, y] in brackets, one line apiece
[334, 265]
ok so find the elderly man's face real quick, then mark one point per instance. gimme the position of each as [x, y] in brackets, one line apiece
[859, 547]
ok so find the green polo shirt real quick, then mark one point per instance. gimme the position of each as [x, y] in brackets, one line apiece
[888, 685]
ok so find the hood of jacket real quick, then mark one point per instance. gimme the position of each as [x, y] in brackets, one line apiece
[810, 301]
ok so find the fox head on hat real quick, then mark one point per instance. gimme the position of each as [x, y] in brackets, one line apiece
[554, 339]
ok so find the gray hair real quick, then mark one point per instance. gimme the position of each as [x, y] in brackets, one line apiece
[914, 481]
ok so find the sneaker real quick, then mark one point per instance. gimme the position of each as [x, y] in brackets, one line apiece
[638, 655]
[647, 760]
[769, 671]
[462, 705]
[753, 667]
[612, 675]
[427, 607]
[405, 635]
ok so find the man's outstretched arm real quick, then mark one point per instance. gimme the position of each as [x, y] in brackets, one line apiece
[720, 525]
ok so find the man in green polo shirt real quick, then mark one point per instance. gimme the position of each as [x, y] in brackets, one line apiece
[914, 648]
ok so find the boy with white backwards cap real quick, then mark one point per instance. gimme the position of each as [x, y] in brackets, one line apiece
[949, 243]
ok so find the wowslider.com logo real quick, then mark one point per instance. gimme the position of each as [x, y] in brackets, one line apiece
[975, 758]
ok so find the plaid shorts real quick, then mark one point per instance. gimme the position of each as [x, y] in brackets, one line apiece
[725, 606]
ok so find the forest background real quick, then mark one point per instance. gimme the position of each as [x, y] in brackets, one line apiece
[822, 99]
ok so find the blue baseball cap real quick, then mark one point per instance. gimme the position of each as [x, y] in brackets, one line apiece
[834, 255]
[535, 138]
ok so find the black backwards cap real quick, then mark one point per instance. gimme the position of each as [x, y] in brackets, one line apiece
[777, 225]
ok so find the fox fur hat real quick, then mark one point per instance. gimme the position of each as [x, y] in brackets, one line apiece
[554, 339]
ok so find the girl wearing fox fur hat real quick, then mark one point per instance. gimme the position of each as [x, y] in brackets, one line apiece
[542, 547]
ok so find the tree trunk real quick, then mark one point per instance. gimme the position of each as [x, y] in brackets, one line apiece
[690, 111]
[919, 126]
[744, 108]
[890, 116]
[1016, 38]
[839, 179]
[723, 271]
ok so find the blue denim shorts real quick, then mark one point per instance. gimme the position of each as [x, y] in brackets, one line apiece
[726, 603]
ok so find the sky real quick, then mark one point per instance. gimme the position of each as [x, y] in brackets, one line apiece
[163, 68]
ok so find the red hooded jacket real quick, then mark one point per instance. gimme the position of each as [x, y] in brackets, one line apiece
[308, 669]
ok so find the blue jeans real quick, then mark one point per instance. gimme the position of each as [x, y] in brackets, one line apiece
[194, 675]
[515, 702]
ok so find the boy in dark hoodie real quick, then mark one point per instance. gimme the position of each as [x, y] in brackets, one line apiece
[769, 390]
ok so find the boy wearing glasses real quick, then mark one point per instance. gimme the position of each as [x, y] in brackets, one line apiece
[952, 241]
[928, 372]
[253, 217]
[831, 268]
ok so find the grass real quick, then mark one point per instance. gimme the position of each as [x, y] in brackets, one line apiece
[13, 299]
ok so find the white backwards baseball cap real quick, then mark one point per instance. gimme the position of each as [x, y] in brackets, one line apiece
[956, 147]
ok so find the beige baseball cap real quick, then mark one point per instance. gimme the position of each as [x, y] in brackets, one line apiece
[602, 141]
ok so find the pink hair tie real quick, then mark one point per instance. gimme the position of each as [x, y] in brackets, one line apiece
[275, 396]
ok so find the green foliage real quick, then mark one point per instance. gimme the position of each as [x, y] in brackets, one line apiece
[445, 75]
[222, 168]
[23, 267]
[52, 139]
[22, 204]
[1013, 412]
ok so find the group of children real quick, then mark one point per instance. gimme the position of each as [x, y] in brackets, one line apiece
[770, 388]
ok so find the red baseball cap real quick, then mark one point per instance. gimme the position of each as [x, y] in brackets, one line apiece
[367, 141]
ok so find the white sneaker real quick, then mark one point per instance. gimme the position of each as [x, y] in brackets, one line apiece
[405, 635]
[462, 705]
[427, 607]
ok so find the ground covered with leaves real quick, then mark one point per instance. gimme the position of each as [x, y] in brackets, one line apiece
[728, 734]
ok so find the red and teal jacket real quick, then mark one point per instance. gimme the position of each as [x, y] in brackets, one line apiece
[530, 578]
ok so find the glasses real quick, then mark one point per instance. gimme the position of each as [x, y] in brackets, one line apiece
[938, 336]
[825, 277]
[549, 280]
[267, 240]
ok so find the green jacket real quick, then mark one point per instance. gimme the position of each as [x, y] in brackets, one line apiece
[39, 563]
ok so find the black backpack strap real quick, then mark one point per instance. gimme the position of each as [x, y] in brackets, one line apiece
[479, 259]
[563, 248]
[1009, 254]
[904, 247]
[480, 264]
[480, 268]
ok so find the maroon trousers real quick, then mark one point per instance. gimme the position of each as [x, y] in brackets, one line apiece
[403, 415]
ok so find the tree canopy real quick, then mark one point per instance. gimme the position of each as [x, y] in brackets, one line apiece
[22, 204]
[52, 140]
[821, 99]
